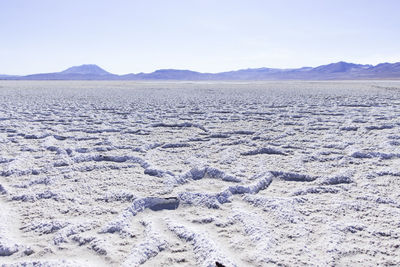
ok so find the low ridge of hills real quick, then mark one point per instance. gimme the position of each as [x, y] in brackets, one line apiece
[334, 71]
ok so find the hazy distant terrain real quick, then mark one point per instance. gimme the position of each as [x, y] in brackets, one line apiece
[194, 173]
[333, 71]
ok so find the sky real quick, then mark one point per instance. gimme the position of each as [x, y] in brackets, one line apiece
[129, 36]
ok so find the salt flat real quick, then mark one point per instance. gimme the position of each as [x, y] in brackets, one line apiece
[194, 173]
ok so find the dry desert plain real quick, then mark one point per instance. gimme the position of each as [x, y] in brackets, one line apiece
[198, 173]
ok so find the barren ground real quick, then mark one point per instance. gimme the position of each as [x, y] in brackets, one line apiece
[161, 174]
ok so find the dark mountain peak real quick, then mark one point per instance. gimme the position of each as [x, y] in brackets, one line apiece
[387, 67]
[340, 66]
[86, 69]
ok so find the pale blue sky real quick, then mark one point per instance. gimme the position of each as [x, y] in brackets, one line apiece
[204, 35]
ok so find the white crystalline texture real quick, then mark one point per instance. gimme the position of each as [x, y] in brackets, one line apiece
[368, 155]
[264, 150]
[7, 248]
[179, 125]
[176, 145]
[148, 249]
[339, 178]
[290, 176]
[209, 172]
[213, 200]
[316, 190]
[265, 173]
[139, 205]
[205, 250]
[8, 242]
[2, 190]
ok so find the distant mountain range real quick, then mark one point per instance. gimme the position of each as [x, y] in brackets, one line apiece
[334, 71]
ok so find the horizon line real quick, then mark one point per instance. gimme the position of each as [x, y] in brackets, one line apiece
[203, 72]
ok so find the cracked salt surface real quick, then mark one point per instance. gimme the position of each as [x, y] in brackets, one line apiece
[199, 173]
